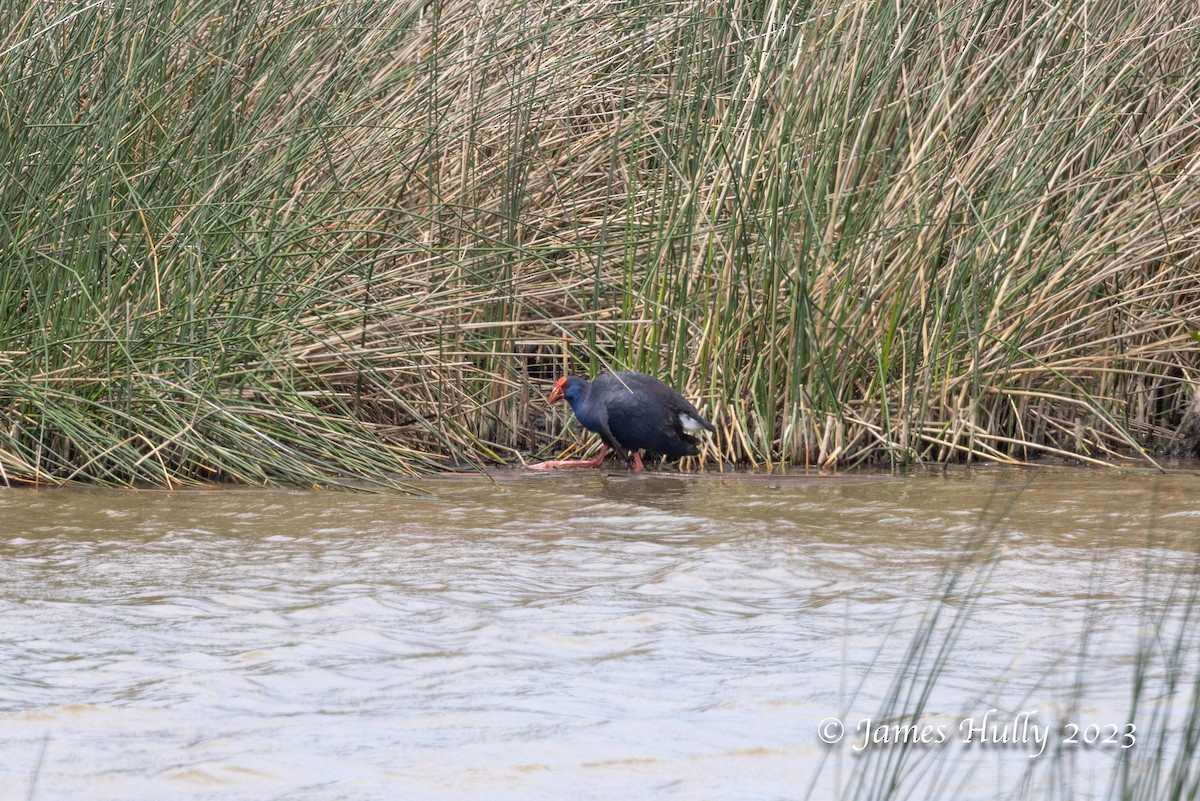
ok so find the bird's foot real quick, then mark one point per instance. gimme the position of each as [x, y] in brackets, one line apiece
[556, 463]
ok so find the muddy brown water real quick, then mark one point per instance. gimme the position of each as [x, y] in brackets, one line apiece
[597, 635]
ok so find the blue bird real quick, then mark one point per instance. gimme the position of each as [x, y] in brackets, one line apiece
[631, 412]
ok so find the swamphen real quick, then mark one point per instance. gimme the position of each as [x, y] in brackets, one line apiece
[631, 412]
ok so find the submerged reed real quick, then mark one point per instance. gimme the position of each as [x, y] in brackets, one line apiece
[276, 242]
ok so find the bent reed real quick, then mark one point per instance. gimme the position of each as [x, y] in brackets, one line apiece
[284, 243]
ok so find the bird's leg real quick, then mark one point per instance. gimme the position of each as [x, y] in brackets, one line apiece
[553, 463]
[637, 462]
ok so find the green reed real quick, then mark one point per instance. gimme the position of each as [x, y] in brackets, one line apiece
[286, 243]
[1161, 719]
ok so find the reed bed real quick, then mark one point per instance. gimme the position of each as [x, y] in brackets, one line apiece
[284, 243]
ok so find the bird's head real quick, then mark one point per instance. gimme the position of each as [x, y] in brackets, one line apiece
[567, 387]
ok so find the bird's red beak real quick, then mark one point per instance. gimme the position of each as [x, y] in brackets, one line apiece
[557, 393]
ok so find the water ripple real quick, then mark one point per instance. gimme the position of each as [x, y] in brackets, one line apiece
[593, 636]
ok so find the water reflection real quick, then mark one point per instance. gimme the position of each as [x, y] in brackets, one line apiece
[592, 635]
